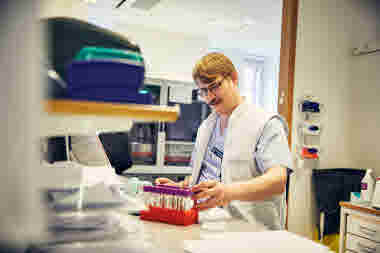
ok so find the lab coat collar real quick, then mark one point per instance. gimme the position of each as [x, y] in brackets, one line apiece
[235, 113]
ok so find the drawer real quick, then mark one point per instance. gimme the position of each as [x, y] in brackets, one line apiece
[364, 227]
[361, 245]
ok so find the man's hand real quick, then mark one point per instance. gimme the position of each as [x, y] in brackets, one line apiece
[216, 194]
[166, 181]
[186, 182]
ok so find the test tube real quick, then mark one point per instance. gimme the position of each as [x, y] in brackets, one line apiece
[156, 197]
[169, 199]
[189, 203]
[165, 197]
[174, 200]
[179, 200]
[148, 201]
[161, 198]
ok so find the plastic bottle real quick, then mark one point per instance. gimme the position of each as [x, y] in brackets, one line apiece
[367, 186]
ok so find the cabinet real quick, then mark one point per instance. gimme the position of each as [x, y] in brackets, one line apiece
[165, 147]
[359, 228]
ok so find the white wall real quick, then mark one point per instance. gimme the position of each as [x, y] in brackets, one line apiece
[327, 32]
[365, 122]
[365, 83]
[167, 54]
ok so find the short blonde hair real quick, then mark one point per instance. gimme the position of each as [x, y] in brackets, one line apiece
[213, 67]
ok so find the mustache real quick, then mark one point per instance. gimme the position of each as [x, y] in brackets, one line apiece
[214, 101]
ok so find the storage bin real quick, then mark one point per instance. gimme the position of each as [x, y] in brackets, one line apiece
[332, 186]
[99, 73]
[67, 36]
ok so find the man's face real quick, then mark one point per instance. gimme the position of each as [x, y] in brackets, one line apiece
[218, 95]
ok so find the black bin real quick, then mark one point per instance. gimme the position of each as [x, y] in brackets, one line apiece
[332, 186]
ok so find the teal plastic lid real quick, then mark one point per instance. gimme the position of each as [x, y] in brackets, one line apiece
[97, 53]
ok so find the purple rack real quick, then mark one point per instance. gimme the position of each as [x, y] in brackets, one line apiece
[168, 189]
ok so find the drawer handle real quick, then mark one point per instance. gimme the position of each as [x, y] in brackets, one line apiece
[367, 230]
[366, 249]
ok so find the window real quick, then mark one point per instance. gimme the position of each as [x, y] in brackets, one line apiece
[258, 76]
[260, 82]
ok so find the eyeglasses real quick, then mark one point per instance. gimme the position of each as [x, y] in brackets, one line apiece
[203, 92]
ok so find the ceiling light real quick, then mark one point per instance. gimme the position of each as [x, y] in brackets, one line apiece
[90, 1]
[213, 21]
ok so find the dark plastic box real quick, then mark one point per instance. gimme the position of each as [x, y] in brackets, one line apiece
[81, 74]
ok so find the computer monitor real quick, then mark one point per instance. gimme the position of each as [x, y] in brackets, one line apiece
[55, 149]
[117, 148]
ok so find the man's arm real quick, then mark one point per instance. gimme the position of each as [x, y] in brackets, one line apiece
[272, 182]
[273, 159]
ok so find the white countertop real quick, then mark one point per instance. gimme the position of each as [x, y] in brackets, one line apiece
[156, 237]
[172, 237]
[146, 235]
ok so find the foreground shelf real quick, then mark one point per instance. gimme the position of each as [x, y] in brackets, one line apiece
[62, 117]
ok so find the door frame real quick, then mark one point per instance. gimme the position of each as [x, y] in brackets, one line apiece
[286, 72]
[287, 62]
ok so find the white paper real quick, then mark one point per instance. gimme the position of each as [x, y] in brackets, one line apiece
[93, 175]
[61, 175]
[248, 242]
[95, 195]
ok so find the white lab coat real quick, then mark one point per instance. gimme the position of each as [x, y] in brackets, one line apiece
[245, 126]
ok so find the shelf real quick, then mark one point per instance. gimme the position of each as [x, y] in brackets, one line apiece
[61, 117]
[179, 142]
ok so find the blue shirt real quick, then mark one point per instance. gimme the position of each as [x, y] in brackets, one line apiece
[272, 150]
[212, 161]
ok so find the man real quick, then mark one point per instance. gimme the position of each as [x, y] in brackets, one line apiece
[241, 156]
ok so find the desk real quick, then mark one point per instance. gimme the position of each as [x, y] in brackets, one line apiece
[359, 228]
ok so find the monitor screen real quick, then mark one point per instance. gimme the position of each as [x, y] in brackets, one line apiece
[186, 127]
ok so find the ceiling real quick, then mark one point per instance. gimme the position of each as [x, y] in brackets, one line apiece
[245, 24]
[200, 16]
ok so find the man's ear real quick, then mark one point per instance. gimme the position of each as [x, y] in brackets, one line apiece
[234, 77]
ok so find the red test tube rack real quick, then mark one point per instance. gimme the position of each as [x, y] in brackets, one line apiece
[169, 204]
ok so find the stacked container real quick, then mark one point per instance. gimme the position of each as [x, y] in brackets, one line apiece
[309, 131]
[107, 75]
